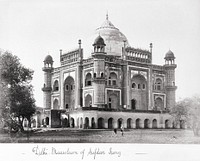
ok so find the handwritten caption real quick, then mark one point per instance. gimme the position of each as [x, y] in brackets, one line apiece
[83, 153]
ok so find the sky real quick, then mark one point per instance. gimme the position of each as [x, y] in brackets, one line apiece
[33, 29]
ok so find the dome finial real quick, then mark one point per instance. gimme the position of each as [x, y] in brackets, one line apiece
[107, 15]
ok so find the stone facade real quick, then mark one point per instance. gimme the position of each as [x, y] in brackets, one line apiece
[118, 85]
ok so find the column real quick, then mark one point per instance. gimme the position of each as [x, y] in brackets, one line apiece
[133, 124]
[106, 123]
[115, 123]
[90, 123]
[125, 124]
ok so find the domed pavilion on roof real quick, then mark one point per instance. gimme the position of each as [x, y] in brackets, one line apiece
[118, 85]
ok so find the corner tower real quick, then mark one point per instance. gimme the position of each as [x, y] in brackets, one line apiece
[99, 72]
[48, 67]
[170, 86]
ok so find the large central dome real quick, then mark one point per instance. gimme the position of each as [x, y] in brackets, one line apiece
[113, 38]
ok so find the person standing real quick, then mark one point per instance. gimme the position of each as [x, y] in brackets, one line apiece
[122, 130]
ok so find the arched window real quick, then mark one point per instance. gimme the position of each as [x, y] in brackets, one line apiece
[67, 87]
[102, 75]
[143, 86]
[66, 106]
[95, 75]
[134, 85]
[112, 79]
[55, 86]
[138, 86]
[88, 79]
[158, 84]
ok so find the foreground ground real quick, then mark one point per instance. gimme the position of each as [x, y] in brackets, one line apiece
[158, 136]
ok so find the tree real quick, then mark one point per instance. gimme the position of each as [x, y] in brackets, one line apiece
[17, 96]
[188, 110]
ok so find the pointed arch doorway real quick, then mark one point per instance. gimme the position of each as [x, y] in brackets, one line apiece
[133, 104]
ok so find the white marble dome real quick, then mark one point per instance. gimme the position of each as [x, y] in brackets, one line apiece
[113, 38]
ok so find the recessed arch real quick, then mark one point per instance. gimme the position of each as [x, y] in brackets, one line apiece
[120, 122]
[69, 93]
[133, 85]
[64, 122]
[154, 124]
[110, 123]
[55, 104]
[113, 101]
[133, 104]
[101, 123]
[138, 123]
[146, 123]
[55, 86]
[182, 124]
[72, 122]
[88, 79]
[47, 120]
[129, 123]
[159, 103]
[158, 84]
[33, 123]
[112, 79]
[88, 100]
[86, 123]
[167, 124]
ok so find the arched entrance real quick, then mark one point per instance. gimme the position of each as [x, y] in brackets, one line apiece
[33, 123]
[120, 122]
[138, 123]
[101, 123]
[47, 120]
[110, 123]
[64, 122]
[72, 122]
[146, 123]
[167, 124]
[86, 123]
[182, 124]
[129, 123]
[133, 104]
[154, 124]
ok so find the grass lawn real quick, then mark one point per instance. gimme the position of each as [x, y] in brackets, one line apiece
[154, 136]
